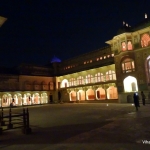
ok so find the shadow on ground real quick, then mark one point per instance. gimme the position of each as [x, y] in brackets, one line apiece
[51, 135]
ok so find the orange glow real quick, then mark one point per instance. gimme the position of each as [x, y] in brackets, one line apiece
[124, 48]
[145, 40]
[129, 45]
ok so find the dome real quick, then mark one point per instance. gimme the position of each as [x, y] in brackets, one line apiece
[55, 59]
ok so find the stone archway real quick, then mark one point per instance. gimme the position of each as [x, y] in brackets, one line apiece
[90, 95]
[81, 95]
[64, 83]
[130, 84]
[100, 94]
[72, 96]
[112, 93]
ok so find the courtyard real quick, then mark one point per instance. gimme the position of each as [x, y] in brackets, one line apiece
[82, 126]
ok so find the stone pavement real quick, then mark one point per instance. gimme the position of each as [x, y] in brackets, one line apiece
[126, 132]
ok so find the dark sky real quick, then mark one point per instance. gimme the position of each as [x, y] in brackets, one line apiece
[36, 30]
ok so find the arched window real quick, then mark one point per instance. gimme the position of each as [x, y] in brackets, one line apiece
[64, 83]
[110, 75]
[123, 46]
[89, 78]
[72, 96]
[145, 40]
[130, 45]
[99, 77]
[72, 82]
[80, 80]
[128, 65]
[112, 93]
[130, 84]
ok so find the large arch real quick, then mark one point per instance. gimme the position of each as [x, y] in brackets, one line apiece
[17, 99]
[100, 94]
[36, 98]
[130, 84]
[27, 99]
[72, 96]
[6, 100]
[81, 95]
[44, 98]
[112, 93]
[64, 83]
[90, 95]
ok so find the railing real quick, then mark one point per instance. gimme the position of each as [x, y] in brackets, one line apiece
[9, 119]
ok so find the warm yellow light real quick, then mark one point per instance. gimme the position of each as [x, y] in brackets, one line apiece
[130, 84]
[2, 20]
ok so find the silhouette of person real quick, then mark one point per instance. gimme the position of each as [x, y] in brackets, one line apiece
[59, 96]
[136, 100]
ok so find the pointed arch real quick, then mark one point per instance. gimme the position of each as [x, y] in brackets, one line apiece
[130, 84]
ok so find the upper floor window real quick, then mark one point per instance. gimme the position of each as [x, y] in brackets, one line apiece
[99, 77]
[64, 83]
[124, 47]
[110, 75]
[89, 78]
[128, 65]
[72, 82]
[145, 40]
[80, 80]
[130, 45]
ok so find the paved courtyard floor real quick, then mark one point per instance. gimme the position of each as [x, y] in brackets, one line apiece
[83, 126]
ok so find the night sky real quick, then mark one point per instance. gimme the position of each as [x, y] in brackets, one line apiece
[36, 30]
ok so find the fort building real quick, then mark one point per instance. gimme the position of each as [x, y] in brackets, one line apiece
[108, 74]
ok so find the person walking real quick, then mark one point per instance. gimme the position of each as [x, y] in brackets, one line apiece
[143, 97]
[136, 100]
[59, 96]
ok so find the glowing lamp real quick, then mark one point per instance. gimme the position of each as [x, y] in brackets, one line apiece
[2, 20]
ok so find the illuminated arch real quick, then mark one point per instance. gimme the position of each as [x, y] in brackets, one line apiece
[112, 93]
[130, 47]
[17, 99]
[124, 46]
[36, 98]
[6, 100]
[64, 83]
[130, 84]
[100, 94]
[72, 96]
[27, 99]
[145, 40]
[90, 95]
[81, 95]
[44, 98]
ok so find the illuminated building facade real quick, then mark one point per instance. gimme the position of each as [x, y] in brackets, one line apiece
[109, 74]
